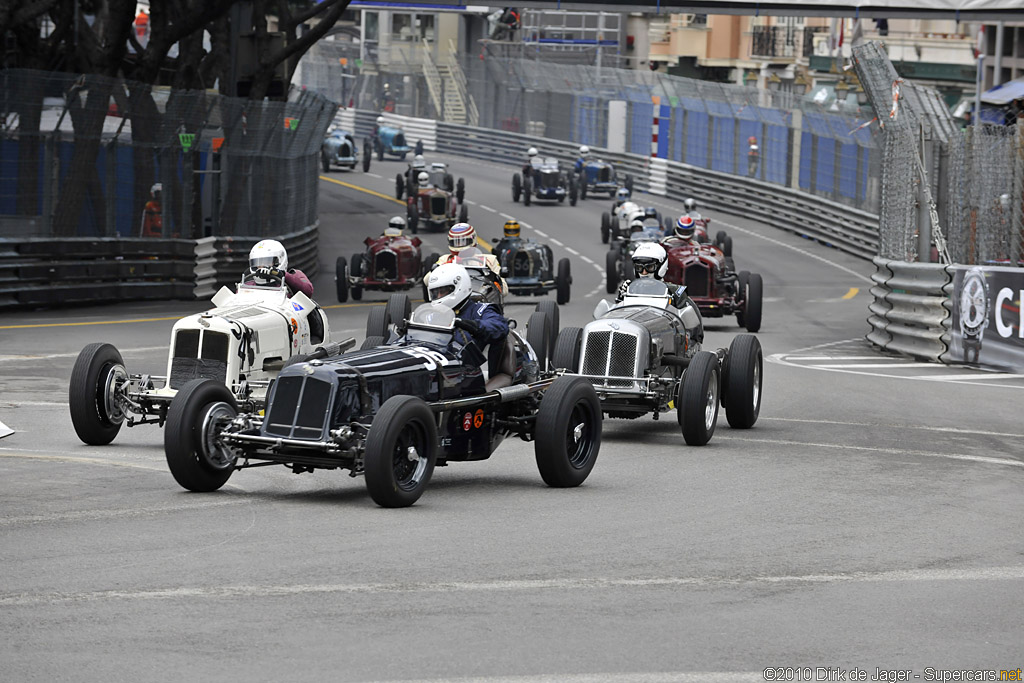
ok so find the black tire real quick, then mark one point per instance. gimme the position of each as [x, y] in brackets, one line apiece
[574, 192]
[412, 219]
[399, 186]
[399, 307]
[371, 343]
[392, 479]
[517, 187]
[727, 246]
[583, 184]
[380, 151]
[698, 398]
[378, 322]
[741, 287]
[463, 213]
[419, 147]
[538, 333]
[606, 227]
[195, 461]
[429, 263]
[752, 307]
[566, 355]
[527, 191]
[355, 269]
[325, 161]
[367, 156]
[730, 265]
[720, 238]
[563, 282]
[460, 190]
[95, 416]
[449, 182]
[567, 432]
[629, 184]
[611, 264]
[554, 321]
[341, 278]
[741, 381]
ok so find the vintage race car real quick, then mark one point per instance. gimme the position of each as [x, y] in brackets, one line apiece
[617, 222]
[391, 141]
[600, 176]
[406, 184]
[391, 414]
[644, 355]
[339, 149]
[544, 181]
[241, 344]
[390, 263]
[529, 268]
[437, 206]
[618, 261]
[714, 285]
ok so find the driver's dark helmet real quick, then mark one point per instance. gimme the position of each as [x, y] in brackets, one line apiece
[512, 228]
[650, 212]
[650, 260]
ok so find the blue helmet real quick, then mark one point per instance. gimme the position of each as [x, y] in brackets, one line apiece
[623, 194]
[685, 227]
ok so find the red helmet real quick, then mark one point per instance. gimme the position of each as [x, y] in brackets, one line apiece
[752, 139]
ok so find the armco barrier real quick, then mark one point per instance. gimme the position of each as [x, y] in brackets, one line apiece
[911, 308]
[850, 230]
[47, 272]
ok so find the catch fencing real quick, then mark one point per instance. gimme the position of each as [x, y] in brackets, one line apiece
[816, 146]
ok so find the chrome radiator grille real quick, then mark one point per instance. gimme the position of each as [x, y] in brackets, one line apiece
[612, 354]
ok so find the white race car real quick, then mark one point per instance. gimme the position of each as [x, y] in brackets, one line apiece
[244, 341]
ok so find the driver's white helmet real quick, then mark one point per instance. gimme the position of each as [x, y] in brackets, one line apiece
[423, 178]
[650, 260]
[584, 151]
[690, 204]
[268, 254]
[532, 152]
[156, 190]
[395, 226]
[380, 120]
[449, 285]
[419, 162]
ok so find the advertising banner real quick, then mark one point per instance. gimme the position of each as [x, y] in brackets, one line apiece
[987, 322]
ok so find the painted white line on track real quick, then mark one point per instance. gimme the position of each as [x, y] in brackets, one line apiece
[42, 404]
[631, 677]
[487, 208]
[91, 515]
[539, 232]
[1005, 573]
[374, 175]
[511, 218]
[950, 430]
[572, 251]
[586, 259]
[888, 451]
[27, 358]
[977, 375]
[555, 242]
[922, 366]
[878, 357]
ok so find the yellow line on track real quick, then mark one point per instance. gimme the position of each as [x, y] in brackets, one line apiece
[852, 293]
[96, 322]
[362, 189]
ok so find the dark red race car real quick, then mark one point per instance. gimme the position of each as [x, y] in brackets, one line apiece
[712, 282]
[391, 262]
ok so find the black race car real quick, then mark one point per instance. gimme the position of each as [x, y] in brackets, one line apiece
[529, 268]
[391, 413]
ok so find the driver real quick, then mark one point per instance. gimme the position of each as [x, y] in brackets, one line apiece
[423, 179]
[683, 234]
[462, 236]
[649, 260]
[582, 160]
[531, 154]
[690, 204]
[450, 285]
[621, 197]
[395, 227]
[268, 258]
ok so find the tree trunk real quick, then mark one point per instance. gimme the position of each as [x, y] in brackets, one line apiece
[88, 123]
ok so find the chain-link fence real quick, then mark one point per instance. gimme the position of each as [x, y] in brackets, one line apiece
[973, 176]
[90, 156]
[774, 136]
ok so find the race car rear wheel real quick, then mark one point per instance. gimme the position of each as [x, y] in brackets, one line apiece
[554, 321]
[367, 155]
[727, 246]
[741, 292]
[96, 376]
[460, 190]
[196, 460]
[341, 278]
[611, 264]
[399, 307]
[563, 281]
[567, 432]
[371, 343]
[378, 322]
[463, 213]
[574, 191]
[449, 182]
[566, 355]
[583, 184]
[538, 334]
[720, 238]
[697, 399]
[741, 382]
[399, 186]
[412, 218]
[527, 191]
[752, 306]
[517, 187]
[606, 226]
[401, 450]
[325, 162]
[355, 269]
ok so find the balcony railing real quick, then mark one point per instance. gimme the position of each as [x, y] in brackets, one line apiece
[785, 42]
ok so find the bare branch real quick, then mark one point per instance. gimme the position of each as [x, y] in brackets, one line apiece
[312, 12]
[306, 41]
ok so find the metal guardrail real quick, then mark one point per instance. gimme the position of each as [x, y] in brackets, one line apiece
[911, 308]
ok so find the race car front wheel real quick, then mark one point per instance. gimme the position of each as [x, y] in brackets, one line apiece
[563, 282]
[197, 415]
[567, 432]
[741, 383]
[400, 452]
[341, 278]
[97, 375]
[697, 399]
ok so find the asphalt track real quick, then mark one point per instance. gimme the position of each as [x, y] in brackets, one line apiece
[871, 518]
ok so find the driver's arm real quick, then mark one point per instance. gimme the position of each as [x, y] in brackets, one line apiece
[622, 291]
[492, 262]
[493, 325]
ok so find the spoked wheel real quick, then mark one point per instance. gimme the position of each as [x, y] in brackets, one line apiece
[196, 418]
[697, 399]
[341, 278]
[568, 432]
[96, 378]
[401, 449]
[741, 385]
